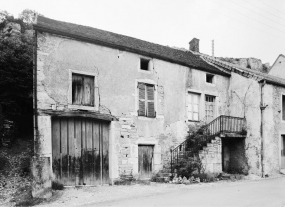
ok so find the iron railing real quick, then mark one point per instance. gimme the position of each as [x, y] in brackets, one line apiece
[200, 138]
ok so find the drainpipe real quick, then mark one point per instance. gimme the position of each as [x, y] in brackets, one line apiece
[262, 108]
[35, 94]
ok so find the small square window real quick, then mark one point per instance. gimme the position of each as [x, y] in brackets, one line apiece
[209, 78]
[144, 64]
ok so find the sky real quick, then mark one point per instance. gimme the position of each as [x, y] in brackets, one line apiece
[239, 28]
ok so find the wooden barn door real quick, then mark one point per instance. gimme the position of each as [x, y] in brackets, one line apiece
[80, 151]
[145, 161]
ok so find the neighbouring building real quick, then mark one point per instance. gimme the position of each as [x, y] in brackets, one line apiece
[108, 105]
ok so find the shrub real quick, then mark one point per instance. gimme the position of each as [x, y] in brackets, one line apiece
[57, 186]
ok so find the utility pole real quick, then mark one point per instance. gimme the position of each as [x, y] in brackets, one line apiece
[213, 48]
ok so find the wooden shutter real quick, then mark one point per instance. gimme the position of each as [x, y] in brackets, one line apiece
[142, 99]
[77, 89]
[82, 90]
[150, 101]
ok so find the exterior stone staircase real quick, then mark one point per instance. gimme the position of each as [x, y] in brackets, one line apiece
[206, 143]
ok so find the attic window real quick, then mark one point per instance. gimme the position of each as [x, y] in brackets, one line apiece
[144, 64]
[209, 78]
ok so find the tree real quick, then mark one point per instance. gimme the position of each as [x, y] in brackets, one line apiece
[16, 69]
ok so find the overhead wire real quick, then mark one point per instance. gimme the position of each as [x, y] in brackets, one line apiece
[251, 25]
[258, 13]
[264, 10]
[249, 17]
[273, 7]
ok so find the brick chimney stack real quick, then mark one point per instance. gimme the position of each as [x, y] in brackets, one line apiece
[194, 45]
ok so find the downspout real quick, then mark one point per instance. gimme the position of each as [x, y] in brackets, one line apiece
[35, 95]
[262, 108]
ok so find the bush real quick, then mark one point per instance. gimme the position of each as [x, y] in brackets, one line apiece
[206, 177]
[189, 166]
[56, 185]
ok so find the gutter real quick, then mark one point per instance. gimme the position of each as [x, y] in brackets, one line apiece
[123, 48]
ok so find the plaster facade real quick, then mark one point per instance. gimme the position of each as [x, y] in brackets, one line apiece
[117, 74]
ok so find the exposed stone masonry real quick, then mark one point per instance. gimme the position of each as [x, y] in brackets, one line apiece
[211, 156]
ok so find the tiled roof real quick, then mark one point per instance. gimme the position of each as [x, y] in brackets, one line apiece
[125, 43]
[244, 71]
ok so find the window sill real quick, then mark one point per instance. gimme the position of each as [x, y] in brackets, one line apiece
[145, 71]
[146, 118]
[210, 84]
[193, 121]
[89, 108]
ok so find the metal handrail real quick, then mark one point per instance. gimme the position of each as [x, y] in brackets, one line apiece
[221, 124]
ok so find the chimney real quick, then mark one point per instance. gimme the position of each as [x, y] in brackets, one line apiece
[194, 45]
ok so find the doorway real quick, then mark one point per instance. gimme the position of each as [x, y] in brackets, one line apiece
[145, 159]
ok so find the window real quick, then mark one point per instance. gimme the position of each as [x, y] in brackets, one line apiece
[193, 106]
[146, 100]
[209, 107]
[144, 64]
[209, 78]
[82, 90]
[283, 107]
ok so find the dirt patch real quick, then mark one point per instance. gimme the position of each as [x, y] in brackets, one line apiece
[15, 174]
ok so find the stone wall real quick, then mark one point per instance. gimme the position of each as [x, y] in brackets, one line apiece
[211, 156]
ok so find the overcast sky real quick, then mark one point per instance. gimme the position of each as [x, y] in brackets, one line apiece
[240, 28]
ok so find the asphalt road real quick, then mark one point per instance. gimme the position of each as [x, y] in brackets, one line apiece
[267, 193]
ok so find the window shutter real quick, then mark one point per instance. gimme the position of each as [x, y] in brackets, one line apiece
[150, 101]
[88, 91]
[141, 111]
[77, 89]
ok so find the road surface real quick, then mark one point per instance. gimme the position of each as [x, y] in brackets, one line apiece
[265, 192]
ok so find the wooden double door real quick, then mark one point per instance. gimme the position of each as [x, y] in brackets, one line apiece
[80, 151]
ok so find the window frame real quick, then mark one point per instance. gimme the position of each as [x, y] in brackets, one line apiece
[95, 107]
[199, 106]
[214, 106]
[150, 65]
[213, 79]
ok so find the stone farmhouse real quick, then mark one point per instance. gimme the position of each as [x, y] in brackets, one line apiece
[108, 105]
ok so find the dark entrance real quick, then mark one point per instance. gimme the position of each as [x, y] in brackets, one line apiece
[80, 151]
[233, 155]
[145, 161]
